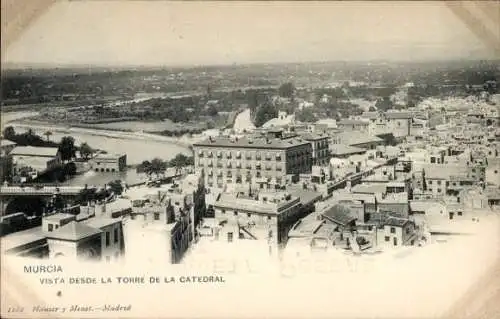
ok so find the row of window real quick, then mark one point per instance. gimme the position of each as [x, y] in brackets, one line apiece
[252, 155]
[239, 178]
[238, 154]
[447, 183]
[238, 165]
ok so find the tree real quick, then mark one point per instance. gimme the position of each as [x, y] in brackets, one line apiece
[9, 132]
[180, 161]
[156, 166]
[86, 151]
[212, 110]
[143, 167]
[58, 202]
[48, 134]
[264, 113]
[86, 195]
[286, 90]
[306, 115]
[384, 104]
[252, 100]
[116, 187]
[372, 109]
[70, 169]
[67, 148]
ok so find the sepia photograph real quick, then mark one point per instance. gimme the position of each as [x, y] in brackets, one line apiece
[249, 159]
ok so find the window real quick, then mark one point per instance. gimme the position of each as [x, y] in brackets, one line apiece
[268, 217]
[115, 236]
[51, 227]
[249, 215]
[496, 172]
[235, 213]
[393, 230]
[439, 182]
[430, 182]
[387, 238]
[108, 259]
[223, 211]
[157, 216]
[107, 238]
[439, 190]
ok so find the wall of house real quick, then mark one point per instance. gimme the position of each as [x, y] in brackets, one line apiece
[62, 248]
[492, 175]
[401, 209]
[387, 237]
[111, 250]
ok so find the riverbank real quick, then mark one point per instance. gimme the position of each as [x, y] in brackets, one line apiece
[185, 141]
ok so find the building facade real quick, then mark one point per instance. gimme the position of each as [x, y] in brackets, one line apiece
[320, 148]
[252, 161]
[109, 162]
[267, 216]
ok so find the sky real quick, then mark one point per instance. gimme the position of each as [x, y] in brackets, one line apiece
[161, 33]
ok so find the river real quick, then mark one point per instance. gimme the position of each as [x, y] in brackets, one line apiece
[138, 146]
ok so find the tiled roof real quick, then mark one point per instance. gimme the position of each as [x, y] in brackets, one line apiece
[271, 143]
[35, 151]
[339, 214]
[73, 231]
[398, 115]
[444, 171]
[21, 238]
[100, 222]
[398, 222]
[342, 149]
[370, 115]
[355, 138]
[313, 137]
[372, 188]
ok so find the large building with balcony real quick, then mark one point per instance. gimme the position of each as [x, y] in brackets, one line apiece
[263, 161]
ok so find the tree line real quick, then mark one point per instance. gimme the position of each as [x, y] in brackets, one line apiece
[158, 166]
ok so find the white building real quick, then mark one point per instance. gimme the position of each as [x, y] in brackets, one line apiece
[36, 160]
[109, 162]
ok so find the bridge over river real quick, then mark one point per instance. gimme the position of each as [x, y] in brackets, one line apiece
[39, 195]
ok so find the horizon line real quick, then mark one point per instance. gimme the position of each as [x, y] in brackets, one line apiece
[27, 65]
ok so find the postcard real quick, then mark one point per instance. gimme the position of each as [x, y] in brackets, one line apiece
[246, 159]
